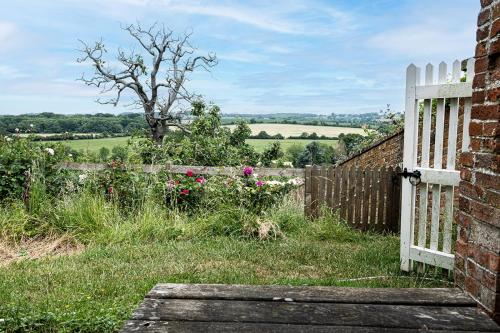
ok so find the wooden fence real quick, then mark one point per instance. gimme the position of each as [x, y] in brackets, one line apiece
[367, 199]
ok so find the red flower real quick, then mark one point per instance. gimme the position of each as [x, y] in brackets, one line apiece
[189, 173]
[185, 191]
[201, 180]
[176, 182]
[110, 189]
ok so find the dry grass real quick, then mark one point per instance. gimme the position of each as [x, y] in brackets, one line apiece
[29, 249]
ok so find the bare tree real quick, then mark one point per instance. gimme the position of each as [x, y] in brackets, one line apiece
[159, 88]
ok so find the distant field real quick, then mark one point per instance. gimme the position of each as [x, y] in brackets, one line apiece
[261, 144]
[294, 130]
[96, 144]
[93, 145]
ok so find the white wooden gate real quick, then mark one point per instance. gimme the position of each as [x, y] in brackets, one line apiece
[430, 240]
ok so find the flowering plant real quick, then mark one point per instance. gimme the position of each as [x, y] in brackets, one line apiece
[186, 190]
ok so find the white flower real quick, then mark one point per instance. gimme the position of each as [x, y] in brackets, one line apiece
[8, 139]
[296, 181]
[288, 164]
[81, 178]
[254, 175]
[50, 151]
[274, 183]
[70, 155]
[31, 125]
[17, 130]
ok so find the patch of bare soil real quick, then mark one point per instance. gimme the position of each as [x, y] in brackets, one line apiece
[29, 249]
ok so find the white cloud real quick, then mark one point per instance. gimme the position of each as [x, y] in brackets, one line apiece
[9, 72]
[420, 41]
[8, 38]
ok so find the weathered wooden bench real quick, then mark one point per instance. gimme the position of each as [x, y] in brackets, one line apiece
[239, 308]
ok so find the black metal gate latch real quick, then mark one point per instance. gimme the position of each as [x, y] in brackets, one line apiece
[414, 177]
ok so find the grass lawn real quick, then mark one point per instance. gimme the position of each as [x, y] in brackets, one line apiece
[295, 129]
[93, 145]
[95, 291]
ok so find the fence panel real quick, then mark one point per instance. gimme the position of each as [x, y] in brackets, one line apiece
[367, 199]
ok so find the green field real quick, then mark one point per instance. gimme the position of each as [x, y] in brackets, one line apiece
[93, 145]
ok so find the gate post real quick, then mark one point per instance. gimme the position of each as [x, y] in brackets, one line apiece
[407, 190]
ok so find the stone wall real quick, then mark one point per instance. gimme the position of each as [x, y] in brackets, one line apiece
[477, 260]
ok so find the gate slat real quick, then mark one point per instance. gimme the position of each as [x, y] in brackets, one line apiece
[426, 139]
[467, 108]
[438, 162]
[307, 191]
[336, 195]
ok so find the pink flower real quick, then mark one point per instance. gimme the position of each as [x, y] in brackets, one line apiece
[247, 171]
[110, 189]
[185, 191]
[259, 183]
[201, 180]
[170, 184]
[189, 173]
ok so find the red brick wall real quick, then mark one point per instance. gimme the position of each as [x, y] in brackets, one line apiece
[477, 260]
[387, 152]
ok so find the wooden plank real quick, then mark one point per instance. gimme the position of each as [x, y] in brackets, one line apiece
[315, 174]
[358, 200]
[351, 205]
[337, 191]
[330, 179]
[307, 191]
[155, 326]
[439, 176]
[180, 169]
[389, 200]
[374, 199]
[396, 195]
[366, 197]
[321, 294]
[322, 186]
[345, 193]
[432, 257]
[379, 315]
[445, 90]
[381, 200]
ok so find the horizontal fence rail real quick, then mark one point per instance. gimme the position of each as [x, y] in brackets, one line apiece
[367, 199]
[179, 169]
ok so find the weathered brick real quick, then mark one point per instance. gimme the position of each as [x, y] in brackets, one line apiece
[474, 127]
[483, 212]
[467, 159]
[472, 286]
[488, 161]
[483, 17]
[485, 3]
[478, 97]
[485, 112]
[494, 48]
[492, 198]
[494, 262]
[481, 65]
[465, 174]
[479, 80]
[487, 181]
[493, 94]
[495, 28]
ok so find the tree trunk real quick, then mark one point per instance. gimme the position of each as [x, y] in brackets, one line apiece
[157, 133]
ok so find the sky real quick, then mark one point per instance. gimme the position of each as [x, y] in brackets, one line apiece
[299, 56]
